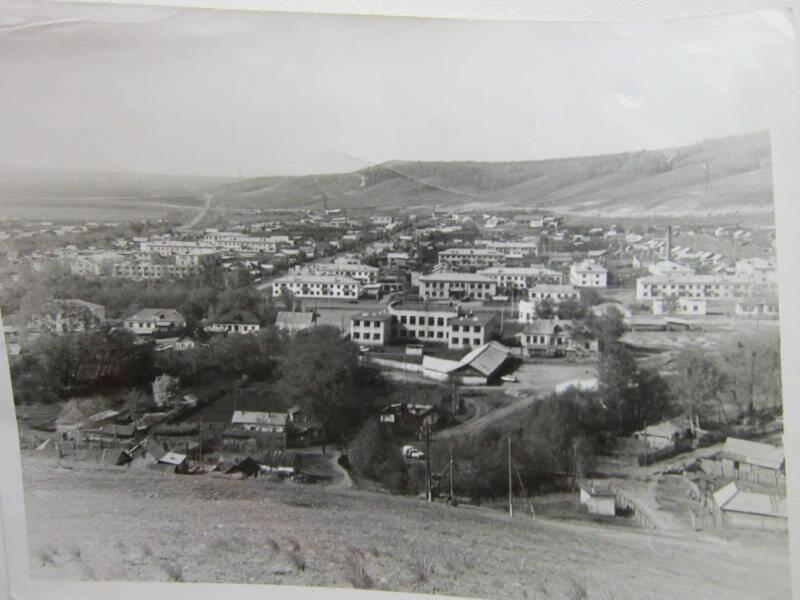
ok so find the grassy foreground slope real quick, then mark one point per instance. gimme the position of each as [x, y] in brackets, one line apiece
[90, 522]
[718, 176]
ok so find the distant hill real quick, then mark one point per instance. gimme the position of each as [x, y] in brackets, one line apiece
[721, 176]
[717, 176]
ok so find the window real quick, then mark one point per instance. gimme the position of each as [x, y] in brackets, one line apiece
[476, 342]
[356, 335]
[456, 341]
[440, 321]
[439, 334]
[412, 320]
[403, 319]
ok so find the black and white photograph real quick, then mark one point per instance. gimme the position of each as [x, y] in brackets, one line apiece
[473, 309]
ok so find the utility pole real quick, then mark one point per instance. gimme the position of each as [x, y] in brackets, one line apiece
[510, 504]
[452, 497]
[428, 494]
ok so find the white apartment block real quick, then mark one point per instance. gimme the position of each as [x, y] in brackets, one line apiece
[370, 328]
[521, 278]
[518, 248]
[588, 274]
[176, 247]
[682, 306]
[422, 322]
[758, 270]
[471, 331]
[397, 259]
[554, 293]
[239, 242]
[472, 257]
[304, 285]
[457, 285]
[693, 286]
[364, 274]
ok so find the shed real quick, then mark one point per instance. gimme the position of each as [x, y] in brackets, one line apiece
[600, 499]
[750, 509]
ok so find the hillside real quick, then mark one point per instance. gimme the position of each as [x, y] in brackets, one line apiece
[91, 522]
[719, 176]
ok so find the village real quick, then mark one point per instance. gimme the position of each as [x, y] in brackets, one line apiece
[471, 318]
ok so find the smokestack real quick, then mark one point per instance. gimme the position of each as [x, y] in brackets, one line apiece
[668, 244]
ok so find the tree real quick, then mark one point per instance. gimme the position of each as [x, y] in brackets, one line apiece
[545, 309]
[570, 309]
[698, 384]
[607, 327]
[670, 304]
[617, 373]
[166, 390]
[322, 372]
[752, 365]
[375, 455]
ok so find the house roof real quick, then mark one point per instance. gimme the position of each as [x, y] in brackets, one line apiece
[597, 489]
[486, 359]
[372, 315]
[475, 319]
[169, 315]
[754, 453]
[172, 458]
[441, 365]
[453, 276]
[664, 429]
[258, 417]
[546, 326]
[295, 320]
[731, 498]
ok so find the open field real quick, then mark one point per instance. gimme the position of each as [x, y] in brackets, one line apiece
[90, 522]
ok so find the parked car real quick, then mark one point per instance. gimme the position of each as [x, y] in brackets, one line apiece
[410, 452]
[509, 378]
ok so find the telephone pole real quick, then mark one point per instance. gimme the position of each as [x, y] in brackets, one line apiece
[452, 497]
[428, 494]
[510, 504]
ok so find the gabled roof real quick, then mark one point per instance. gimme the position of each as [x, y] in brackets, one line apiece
[664, 429]
[731, 498]
[546, 326]
[258, 417]
[158, 315]
[754, 453]
[486, 359]
[172, 458]
[442, 365]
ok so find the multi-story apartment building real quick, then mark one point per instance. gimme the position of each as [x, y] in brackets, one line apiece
[397, 260]
[176, 247]
[304, 285]
[758, 270]
[470, 331]
[371, 328]
[364, 274]
[457, 285]
[466, 258]
[422, 321]
[520, 248]
[555, 294]
[588, 274]
[521, 278]
[693, 286]
[240, 242]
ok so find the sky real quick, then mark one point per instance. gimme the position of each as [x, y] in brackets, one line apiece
[226, 93]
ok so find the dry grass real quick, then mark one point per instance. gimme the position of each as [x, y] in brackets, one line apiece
[357, 572]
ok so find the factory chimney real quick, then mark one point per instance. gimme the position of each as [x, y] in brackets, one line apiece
[668, 244]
